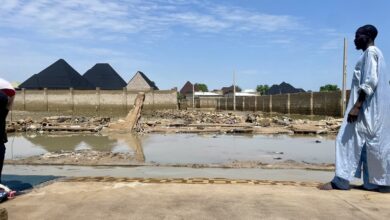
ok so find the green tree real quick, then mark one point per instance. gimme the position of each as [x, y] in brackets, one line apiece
[262, 89]
[329, 88]
[201, 87]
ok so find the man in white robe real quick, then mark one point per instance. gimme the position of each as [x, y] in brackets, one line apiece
[7, 95]
[363, 142]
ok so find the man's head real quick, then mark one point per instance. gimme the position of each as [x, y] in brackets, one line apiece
[365, 36]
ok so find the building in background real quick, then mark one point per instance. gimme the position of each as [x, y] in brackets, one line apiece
[102, 75]
[230, 89]
[283, 88]
[246, 93]
[140, 82]
[187, 88]
[59, 75]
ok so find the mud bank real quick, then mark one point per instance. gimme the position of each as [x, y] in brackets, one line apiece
[97, 158]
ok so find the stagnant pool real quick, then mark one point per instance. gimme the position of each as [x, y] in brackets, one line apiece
[182, 148]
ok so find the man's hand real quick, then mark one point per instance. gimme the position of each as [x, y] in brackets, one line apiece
[353, 114]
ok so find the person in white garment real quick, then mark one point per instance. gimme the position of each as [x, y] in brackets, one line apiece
[363, 142]
[7, 95]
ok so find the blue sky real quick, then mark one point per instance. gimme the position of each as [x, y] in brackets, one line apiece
[172, 41]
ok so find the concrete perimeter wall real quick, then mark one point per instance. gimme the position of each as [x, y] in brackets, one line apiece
[311, 103]
[91, 100]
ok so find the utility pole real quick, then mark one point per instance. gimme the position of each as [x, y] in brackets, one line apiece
[344, 93]
[234, 90]
[193, 96]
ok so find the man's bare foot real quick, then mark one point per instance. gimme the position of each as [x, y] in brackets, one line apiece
[326, 186]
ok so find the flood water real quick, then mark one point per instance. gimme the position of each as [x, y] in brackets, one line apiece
[182, 148]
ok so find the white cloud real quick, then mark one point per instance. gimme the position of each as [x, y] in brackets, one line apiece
[101, 19]
[255, 21]
[9, 4]
[26, 57]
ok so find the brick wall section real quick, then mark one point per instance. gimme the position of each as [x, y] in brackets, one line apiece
[261, 104]
[223, 103]
[266, 100]
[327, 103]
[34, 99]
[279, 103]
[91, 100]
[239, 103]
[230, 103]
[208, 102]
[163, 99]
[300, 103]
[318, 103]
[250, 103]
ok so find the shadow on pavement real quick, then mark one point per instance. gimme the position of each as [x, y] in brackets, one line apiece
[24, 182]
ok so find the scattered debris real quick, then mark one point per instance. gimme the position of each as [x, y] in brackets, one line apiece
[81, 157]
[181, 121]
[59, 124]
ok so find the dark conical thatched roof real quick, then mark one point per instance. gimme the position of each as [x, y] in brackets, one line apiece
[104, 76]
[283, 88]
[59, 75]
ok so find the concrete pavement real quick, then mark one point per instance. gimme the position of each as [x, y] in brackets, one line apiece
[121, 199]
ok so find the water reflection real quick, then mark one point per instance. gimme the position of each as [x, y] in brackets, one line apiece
[28, 145]
[55, 143]
[132, 141]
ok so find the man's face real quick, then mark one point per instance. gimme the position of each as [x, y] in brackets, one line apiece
[361, 40]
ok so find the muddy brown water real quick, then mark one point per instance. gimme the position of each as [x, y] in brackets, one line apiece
[182, 148]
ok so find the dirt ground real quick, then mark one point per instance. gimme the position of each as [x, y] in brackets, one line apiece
[134, 200]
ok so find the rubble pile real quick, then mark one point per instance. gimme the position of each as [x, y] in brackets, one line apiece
[79, 157]
[183, 121]
[58, 123]
[196, 117]
[198, 121]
